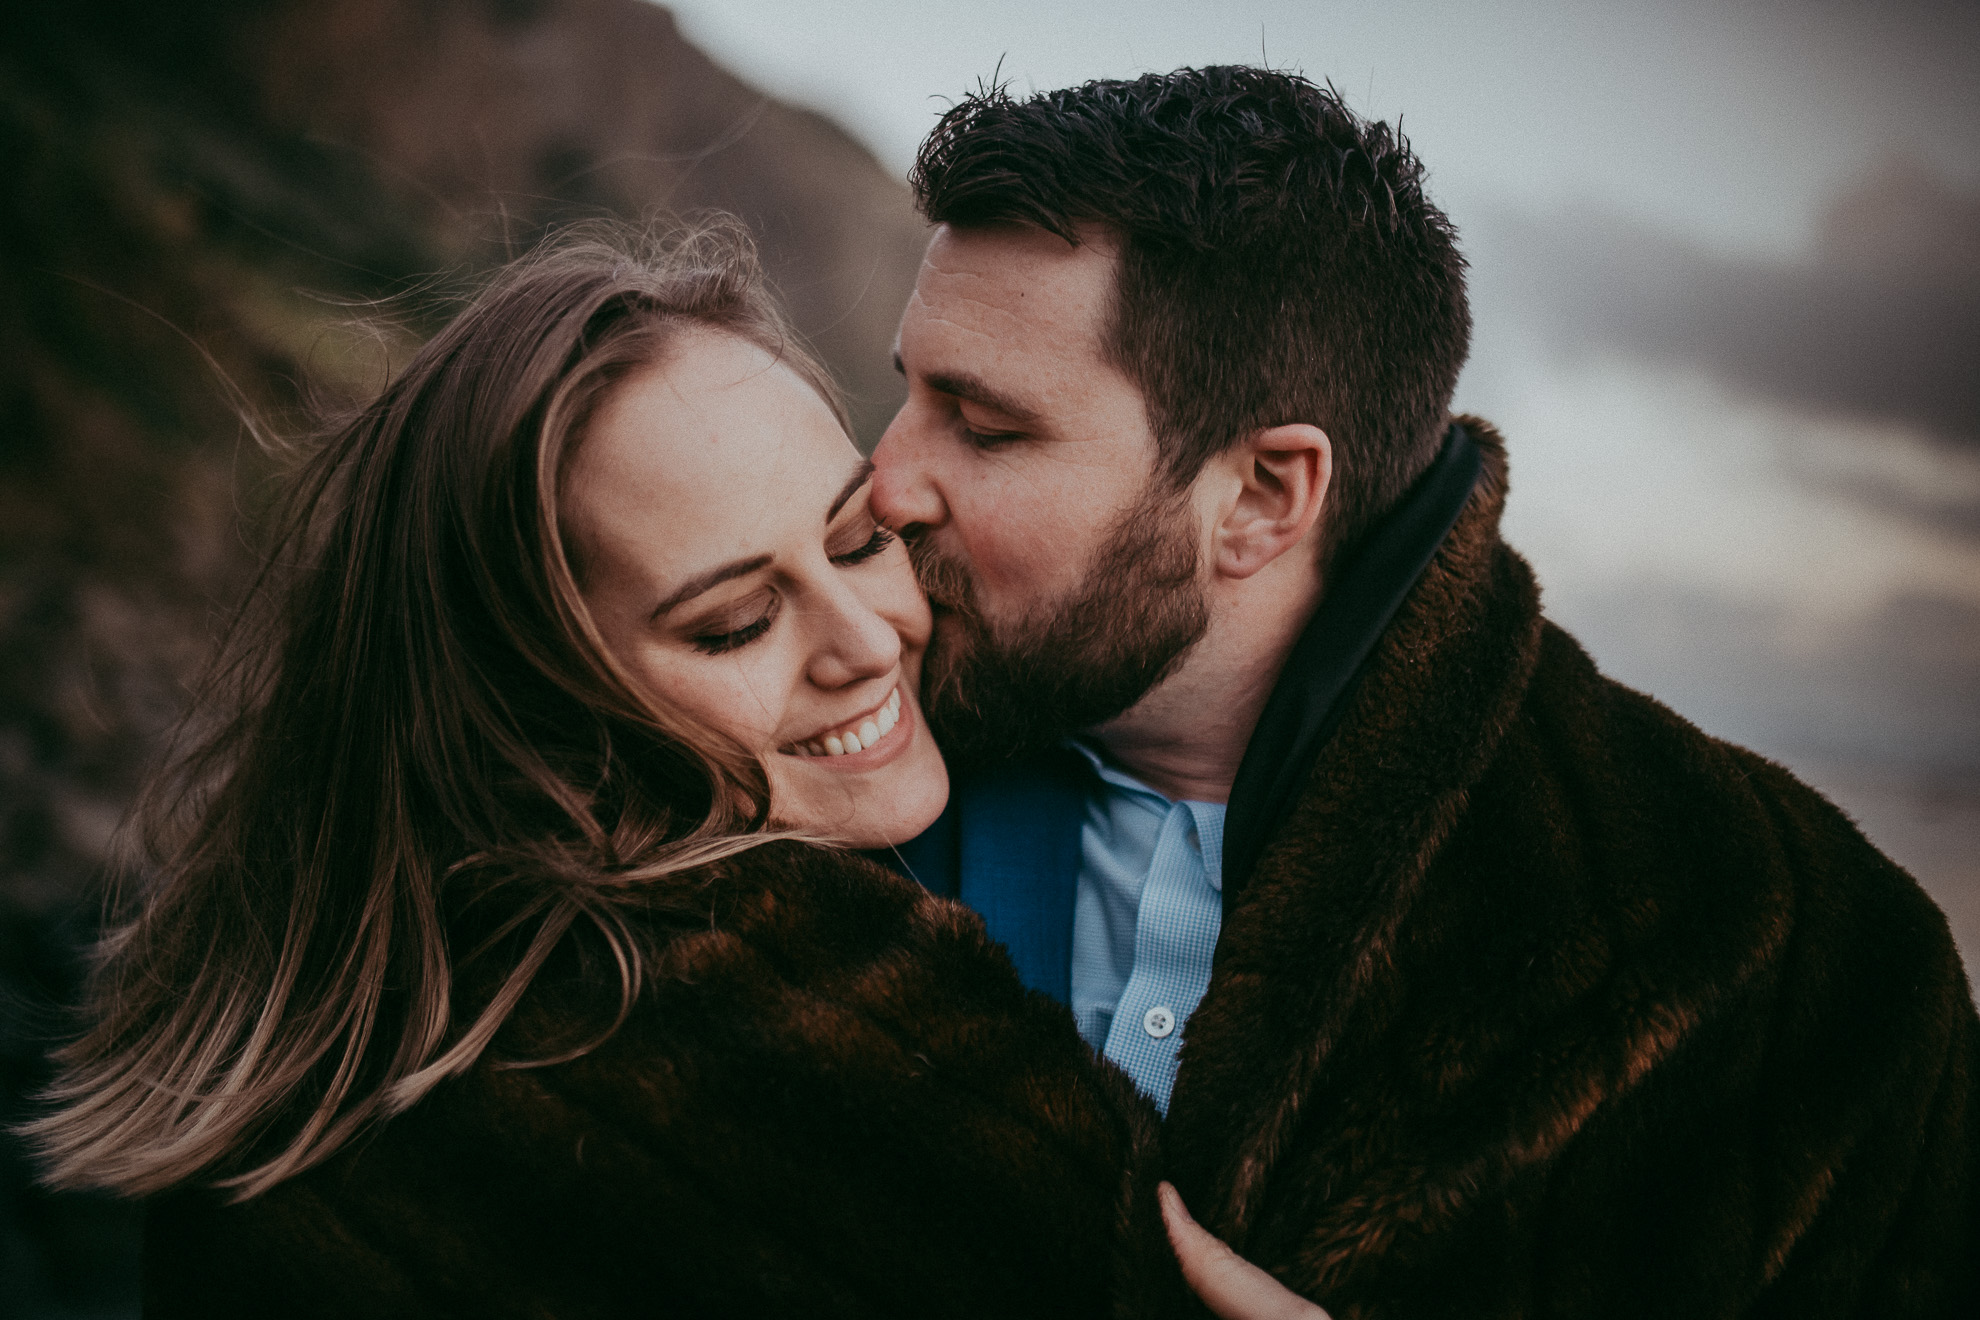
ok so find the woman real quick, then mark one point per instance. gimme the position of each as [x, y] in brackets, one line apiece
[492, 963]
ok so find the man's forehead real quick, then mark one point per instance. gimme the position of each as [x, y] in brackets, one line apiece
[1019, 280]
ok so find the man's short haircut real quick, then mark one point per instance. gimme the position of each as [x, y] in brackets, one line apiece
[1279, 262]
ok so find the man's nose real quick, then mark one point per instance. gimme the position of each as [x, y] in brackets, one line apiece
[905, 490]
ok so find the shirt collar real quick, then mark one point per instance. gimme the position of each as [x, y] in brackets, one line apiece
[1118, 778]
[1208, 817]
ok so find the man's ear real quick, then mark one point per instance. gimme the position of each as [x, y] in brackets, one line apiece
[1281, 475]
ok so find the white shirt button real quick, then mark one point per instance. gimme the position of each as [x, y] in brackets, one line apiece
[1158, 1021]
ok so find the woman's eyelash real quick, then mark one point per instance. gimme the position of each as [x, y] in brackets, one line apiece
[717, 643]
[880, 540]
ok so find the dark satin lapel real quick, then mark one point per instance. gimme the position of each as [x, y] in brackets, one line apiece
[1313, 689]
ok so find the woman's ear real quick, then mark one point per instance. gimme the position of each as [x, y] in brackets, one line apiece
[1281, 477]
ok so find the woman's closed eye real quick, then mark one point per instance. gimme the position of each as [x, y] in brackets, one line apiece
[742, 624]
[736, 626]
[717, 643]
[873, 545]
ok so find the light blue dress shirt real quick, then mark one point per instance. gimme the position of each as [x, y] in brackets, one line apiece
[1146, 913]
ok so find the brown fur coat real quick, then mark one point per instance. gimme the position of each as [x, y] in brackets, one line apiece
[1544, 1003]
[1541, 1003]
[834, 1099]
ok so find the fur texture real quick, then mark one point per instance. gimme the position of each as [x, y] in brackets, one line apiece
[833, 1099]
[1544, 1003]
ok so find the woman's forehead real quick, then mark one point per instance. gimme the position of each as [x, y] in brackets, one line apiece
[716, 449]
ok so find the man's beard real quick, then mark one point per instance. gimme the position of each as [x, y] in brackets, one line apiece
[992, 693]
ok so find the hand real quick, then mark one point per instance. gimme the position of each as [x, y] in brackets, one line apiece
[1231, 1286]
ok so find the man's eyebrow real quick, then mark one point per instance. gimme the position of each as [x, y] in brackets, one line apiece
[861, 475]
[701, 582]
[973, 389]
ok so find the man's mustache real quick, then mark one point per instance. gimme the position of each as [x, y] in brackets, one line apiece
[944, 580]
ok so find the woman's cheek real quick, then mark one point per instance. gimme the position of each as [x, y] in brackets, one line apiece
[708, 689]
[906, 607]
[757, 692]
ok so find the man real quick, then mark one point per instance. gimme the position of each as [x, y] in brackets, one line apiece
[1468, 980]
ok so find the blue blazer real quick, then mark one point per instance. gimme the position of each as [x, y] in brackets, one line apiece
[1008, 846]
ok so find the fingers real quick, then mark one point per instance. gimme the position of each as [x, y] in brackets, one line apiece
[1231, 1286]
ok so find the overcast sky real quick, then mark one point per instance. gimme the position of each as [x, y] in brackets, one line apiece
[1730, 121]
[1727, 282]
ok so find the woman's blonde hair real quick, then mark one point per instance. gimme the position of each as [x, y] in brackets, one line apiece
[413, 712]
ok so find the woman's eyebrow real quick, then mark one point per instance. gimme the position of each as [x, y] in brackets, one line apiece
[715, 576]
[701, 582]
[859, 478]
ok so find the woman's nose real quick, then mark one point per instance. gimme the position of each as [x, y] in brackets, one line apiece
[853, 640]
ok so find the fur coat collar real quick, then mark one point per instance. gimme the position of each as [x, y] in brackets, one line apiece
[1542, 1002]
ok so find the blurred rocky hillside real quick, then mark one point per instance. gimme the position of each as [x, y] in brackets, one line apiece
[203, 197]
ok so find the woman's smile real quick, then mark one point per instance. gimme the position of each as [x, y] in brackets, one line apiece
[864, 742]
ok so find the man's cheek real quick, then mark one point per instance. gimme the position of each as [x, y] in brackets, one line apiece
[950, 635]
[1040, 568]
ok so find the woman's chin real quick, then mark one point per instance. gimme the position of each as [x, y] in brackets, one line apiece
[864, 801]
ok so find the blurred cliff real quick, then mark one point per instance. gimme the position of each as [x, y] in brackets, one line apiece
[213, 192]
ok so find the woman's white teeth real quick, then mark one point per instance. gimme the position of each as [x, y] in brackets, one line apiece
[870, 730]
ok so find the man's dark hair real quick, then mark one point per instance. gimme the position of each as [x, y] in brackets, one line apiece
[1279, 261]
